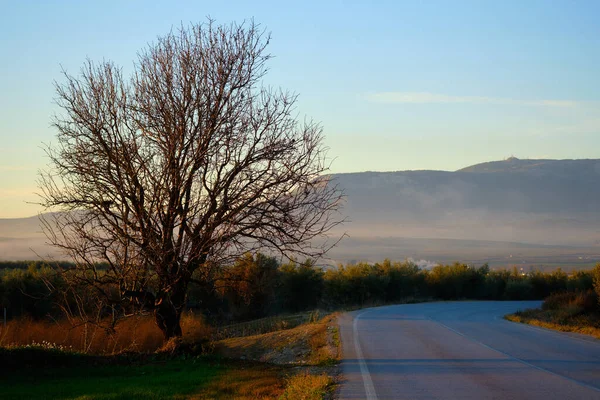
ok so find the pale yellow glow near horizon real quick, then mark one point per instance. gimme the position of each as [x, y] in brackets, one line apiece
[19, 204]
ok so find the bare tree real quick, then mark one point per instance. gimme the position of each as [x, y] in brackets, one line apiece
[182, 167]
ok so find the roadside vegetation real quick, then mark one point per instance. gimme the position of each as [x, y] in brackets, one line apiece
[576, 310]
[299, 362]
[249, 332]
[257, 286]
[71, 375]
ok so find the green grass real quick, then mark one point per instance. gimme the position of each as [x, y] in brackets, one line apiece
[169, 379]
[45, 372]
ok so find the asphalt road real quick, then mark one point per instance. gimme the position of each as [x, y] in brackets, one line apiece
[463, 350]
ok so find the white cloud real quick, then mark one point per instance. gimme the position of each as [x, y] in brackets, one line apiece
[428, 98]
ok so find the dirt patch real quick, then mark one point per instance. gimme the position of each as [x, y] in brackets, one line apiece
[308, 344]
[312, 350]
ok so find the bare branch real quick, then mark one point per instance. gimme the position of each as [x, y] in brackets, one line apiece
[186, 165]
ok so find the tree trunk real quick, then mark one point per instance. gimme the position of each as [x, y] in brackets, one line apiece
[168, 319]
[168, 311]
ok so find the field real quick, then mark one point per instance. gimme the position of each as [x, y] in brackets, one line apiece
[81, 378]
[184, 377]
[300, 360]
[477, 252]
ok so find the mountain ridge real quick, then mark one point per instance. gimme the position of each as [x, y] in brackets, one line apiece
[539, 202]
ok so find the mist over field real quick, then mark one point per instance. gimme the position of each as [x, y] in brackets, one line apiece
[510, 212]
[542, 213]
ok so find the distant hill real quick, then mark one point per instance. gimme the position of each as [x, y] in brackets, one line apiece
[552, 205]
[530, 186]
[590, 167]
[22, 239]
[555, 202]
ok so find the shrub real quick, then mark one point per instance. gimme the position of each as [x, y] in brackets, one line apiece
[587, 301]
[405, 280]
[518, 289]
[456, 281]
[300, 286]
[249, 286]
[596, 278]
[357, 284]
[580, 281]
[26, 292]
[494, 284]
[557, 301]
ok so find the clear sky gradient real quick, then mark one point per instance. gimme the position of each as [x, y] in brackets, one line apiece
[396, 84]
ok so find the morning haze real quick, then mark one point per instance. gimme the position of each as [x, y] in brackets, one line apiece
[530, 213]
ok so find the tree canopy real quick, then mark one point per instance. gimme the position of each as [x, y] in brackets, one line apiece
[182, 167]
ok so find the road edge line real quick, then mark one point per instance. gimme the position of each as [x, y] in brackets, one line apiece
[364, 370]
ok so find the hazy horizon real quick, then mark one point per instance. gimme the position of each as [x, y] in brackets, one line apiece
[32, 215]
[527, 212]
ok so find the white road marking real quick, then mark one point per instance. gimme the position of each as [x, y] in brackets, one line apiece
[364, 370]
[515, 358]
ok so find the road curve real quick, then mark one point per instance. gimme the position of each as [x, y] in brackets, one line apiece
[463, 350]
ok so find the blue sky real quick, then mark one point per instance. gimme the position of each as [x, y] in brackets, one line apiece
[396, 84]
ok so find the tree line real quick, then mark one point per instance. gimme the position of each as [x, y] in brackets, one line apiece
[256, 285]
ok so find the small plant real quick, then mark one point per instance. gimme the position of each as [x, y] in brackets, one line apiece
[587, 301]
[306, 386]
[44, 345]
[335, 337]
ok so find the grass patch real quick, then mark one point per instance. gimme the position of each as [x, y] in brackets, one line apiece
[246, 381]
[267, 324]
[134, 334]
[307, 386]
[307, 344]
[587, 325]
[170, 379]
[323, 348]
[307, 354]
[33, 373]
[299, 360]
[577, 312]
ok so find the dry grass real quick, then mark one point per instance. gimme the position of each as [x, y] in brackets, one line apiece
[324, 342]
[312, 350]
[139, 334]
[307, 344]
[547, 319]
[306, 386]
[267, 324]
[246, 381]
[577, 312]
[313, 346]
